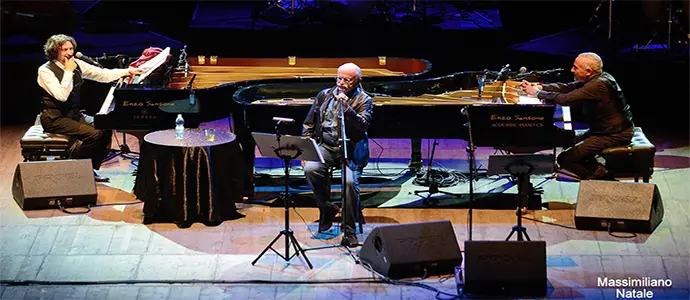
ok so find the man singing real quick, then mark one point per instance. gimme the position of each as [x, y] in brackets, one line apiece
[604, 108]
[61, 79]
[323, 124]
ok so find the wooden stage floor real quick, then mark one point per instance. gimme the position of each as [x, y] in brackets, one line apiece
[113, 255]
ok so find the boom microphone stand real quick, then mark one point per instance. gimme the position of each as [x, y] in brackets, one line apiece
[433, 186]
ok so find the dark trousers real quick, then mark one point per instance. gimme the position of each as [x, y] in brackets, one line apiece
[316, 174]
[92, 143]
[580, 158]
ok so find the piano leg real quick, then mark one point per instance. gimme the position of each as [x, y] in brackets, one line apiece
[239, 128]
[416, 155]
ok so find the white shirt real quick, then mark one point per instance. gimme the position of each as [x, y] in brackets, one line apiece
[61, 89]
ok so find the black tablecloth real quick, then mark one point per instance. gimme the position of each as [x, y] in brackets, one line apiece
[189, 180]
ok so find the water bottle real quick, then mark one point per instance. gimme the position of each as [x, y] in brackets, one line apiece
[179, 127]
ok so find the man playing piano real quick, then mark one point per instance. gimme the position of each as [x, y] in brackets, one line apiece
[605, 110]
[323, 124]
[61, 79]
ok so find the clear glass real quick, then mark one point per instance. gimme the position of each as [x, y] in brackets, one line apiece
[210, 134]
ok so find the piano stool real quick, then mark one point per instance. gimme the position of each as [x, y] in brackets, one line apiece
[38, 145]
[360, 215]
[635, 160]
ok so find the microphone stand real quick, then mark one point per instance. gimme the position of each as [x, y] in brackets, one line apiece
[470, 152]
[343, 177]
[343, 182]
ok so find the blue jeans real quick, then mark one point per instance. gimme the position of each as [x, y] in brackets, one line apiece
[316, 174]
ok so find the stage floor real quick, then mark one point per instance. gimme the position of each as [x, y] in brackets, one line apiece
[114, 256]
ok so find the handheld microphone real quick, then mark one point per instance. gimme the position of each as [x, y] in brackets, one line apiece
[87, 59]
[283, 120]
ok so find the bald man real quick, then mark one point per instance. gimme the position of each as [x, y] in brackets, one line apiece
[605, 110]
[323, 125]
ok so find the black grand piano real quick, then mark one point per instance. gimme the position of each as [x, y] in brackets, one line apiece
[424, 108]
[201, 89]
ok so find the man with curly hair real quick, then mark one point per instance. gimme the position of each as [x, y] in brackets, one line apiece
[61, 78]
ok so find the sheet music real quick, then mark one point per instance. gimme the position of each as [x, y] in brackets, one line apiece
[528, 100]
[152, 65]
[109, 98]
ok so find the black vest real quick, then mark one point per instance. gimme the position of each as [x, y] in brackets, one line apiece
[55, 108]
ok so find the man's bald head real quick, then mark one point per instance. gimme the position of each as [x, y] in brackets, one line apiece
[349, 76]
[586, 66]
[591, 61]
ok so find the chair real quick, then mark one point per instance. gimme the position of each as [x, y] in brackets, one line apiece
[634, 160]
[360, 215]
[38, 145]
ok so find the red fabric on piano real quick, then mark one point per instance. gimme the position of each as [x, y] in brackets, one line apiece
[147, 55]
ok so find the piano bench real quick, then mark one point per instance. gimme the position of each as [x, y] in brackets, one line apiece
[634, 160]
[38, 145]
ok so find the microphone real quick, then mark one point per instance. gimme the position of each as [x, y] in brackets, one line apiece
[502, 72]
[283, 120]
[87, 59]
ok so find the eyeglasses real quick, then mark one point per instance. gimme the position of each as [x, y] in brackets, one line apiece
[347, 80]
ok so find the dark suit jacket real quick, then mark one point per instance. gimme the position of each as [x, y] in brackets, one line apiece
[357, 120]
[602, 100]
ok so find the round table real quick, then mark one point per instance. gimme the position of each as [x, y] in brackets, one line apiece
[191, 179]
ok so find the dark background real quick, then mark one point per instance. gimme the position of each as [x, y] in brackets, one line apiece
[450, 34]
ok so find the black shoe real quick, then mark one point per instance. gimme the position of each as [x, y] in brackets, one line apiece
[326, 222]
[602, 173]
[350, 240]
[99, 178]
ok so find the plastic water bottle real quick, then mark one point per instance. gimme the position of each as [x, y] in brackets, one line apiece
[179, 127]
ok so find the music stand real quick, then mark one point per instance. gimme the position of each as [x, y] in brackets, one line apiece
[287, 148]
[521, 166]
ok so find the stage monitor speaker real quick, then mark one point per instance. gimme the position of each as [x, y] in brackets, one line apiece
[505, 268]
[41, 184]
[412, 250]
[618, 206]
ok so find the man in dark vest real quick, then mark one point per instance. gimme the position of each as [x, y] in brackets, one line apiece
[323, 124]
[604, 107]
[61, 79]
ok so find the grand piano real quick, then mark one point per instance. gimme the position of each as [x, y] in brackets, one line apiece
[427, 108]
[201, 87]
[423, 108]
